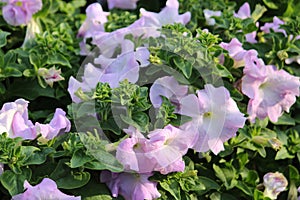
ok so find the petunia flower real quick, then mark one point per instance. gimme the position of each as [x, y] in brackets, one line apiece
[168, 87]
[275, 25]
[243, 13]
[14, 120]
[236, 52]
[168, 15]
[132, 154]
[47, 189]
[123, 4]
[215, 118]
[131, 186]
[50, 75]
[167, 146]
[93, 24]
[1, 168]
[299, 192]
[19, 12]
[59, 124]
[209, 14]
[274, 184]
[271, 91]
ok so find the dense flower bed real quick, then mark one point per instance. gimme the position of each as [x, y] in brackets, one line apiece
[132, 99]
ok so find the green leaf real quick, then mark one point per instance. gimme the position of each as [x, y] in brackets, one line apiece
[172, 187]
[58, 59]
[185, 67]
[270, 4]
[283, 154]
[285, 119]
[209, 184]
[66, 178]
[79, 158]
[258, 12]
[3, 36]
[34, 155]
[227, 174]
[14, 182]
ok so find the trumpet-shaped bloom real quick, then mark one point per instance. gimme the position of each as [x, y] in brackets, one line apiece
[58, 125]
[47, 189]
[94, 22]
[50, 75]
[19, 12]
[131, 186]
[236, 52]
[274, 184]
[271, 91]
[14, 120]
[168, 15]
[275, 25]
[243, 13]
[167, 146]
[209, 14]
[215, 117]
[168, 87]
[123, 4]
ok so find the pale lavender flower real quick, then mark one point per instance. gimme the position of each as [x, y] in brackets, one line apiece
[1, 168]
[93, 24]
[14, 120]
[168, 15]
[132, 154]
[167, 146]
[47, 189]
[209, 14]
[271, 91]
[215, 117]
[293, 59]
[90, 79]
[123, 4]
[299, 192]
[243, 13]
[275, 25]
[168, 87]
[237, 52]
[50, 75]
[131, 186]
[58, 125]
[274, 184]
[19, 12]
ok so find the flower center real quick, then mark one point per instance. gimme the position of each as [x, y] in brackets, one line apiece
[207, 114]
[19, 3]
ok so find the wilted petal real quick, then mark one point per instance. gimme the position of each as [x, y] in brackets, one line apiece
[274, 184]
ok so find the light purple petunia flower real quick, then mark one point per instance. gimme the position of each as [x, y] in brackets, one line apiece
[243, 13]
[93, 24]
[123, 4]
[1, 168]
[167, 146]
[132, 154]
[14, 120]
[215, 117]
[168, 87]
[150, 20]
[19, 12]
[47, 189]
[299, 192]
[236, 52]
[271, 91]
[58, 125]
[274, 184]
[131, 186]
[275, 25]
[209, 14]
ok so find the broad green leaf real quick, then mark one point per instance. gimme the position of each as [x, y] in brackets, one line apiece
[283, 154]
[258, 12]
[3, 36]
[14, 182]
[58, 59]
[172, 187]
[69, 179]
[79, 158]
[285, 119]
[227, 174]
[270, 4]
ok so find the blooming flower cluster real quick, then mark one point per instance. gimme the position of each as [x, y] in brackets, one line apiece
[14, 121]
[19, 12]
[263, 84]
